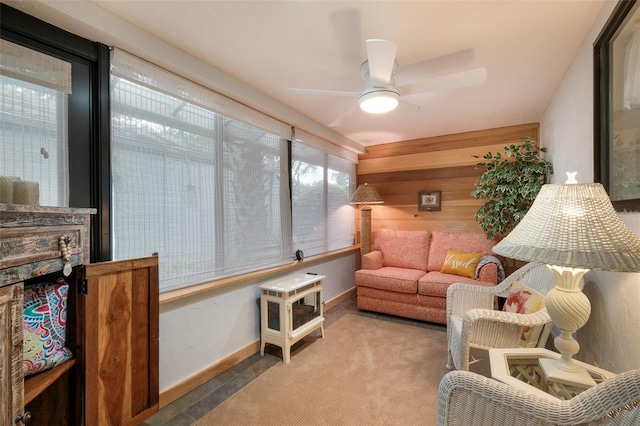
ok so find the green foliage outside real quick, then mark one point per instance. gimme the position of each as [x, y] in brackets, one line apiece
[509, 185]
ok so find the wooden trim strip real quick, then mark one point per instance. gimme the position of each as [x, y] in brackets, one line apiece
[182, 293]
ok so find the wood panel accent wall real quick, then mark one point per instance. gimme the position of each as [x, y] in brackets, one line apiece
[400, 170]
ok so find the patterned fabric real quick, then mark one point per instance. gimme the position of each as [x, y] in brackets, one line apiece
[463, 264]
[389, 278]
[436, 283]
[372, 260]
[465, 242]
[523, 300]
[44, 326]
[403, 249]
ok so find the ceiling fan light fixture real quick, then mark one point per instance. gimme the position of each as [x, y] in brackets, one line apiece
[379, 101]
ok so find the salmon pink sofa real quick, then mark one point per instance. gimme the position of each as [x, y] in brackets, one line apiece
[402, 274]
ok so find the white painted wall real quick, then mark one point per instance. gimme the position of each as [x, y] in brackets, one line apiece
[610, 338]
[201, 330]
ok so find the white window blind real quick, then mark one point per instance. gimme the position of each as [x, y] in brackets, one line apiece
[34, 120]
[208, 192]
[323, 219]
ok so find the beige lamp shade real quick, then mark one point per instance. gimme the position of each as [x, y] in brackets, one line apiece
[573, 225]
[366, 194]
[572, 228]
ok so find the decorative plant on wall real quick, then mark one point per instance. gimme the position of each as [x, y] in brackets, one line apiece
[509, 185]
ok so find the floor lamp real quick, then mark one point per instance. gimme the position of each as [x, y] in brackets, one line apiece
[365, 195]
[573, 228]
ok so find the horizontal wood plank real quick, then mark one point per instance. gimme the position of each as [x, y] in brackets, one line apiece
[479, 138]
[400, 170]
[427, 160]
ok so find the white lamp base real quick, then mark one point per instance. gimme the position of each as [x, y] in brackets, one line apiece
[577, 376]
[569, 309]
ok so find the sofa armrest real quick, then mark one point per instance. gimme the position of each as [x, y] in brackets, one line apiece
[372, 260]
[489, 273]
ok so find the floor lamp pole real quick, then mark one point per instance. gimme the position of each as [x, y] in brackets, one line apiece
[365, 229]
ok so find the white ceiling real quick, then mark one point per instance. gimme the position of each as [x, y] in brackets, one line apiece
[526, 47]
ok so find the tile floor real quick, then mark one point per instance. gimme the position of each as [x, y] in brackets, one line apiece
[186, 410]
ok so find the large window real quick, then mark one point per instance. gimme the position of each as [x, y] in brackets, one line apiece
[208, 192]
[205, 181]
[33, 123]
[322, 217]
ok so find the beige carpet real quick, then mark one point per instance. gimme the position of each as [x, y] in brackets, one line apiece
[364, 372]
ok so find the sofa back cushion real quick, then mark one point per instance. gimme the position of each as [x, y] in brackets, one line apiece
[465, 242]
[403, 249]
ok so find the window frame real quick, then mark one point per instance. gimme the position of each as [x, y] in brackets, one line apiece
[89, 166]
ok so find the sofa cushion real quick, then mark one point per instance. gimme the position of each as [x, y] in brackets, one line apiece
[466, 242]
[436, 283]
[403, 249]
[459, 263]
[390, 278]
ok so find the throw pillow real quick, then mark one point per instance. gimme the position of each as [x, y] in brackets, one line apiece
[463, 264]
[44, 326]
[524, 300]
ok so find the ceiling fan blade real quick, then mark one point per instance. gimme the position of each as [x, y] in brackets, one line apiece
[381, 55]
[410, 111]
[468, 78]
[344, 117]
[321, 92]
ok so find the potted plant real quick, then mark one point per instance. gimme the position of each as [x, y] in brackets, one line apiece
[509, 185]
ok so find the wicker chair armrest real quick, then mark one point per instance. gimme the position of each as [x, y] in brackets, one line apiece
[462, 297]
[488, 328]
[468, 398]
[372, 260]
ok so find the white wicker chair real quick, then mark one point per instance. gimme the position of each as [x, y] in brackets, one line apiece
[472, 321]
[466, 398]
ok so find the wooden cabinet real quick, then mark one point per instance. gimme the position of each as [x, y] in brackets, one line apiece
[11, 384]
[112, 325]
[120, 337]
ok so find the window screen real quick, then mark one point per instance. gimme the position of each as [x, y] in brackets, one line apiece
[33, 120]
[208, 192]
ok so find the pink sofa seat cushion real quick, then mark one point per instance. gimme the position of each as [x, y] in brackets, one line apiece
[436, 283]
[403, 249]
[465, 242]
[401, 280]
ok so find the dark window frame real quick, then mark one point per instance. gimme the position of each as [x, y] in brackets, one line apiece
[89, 149]
[602, 59]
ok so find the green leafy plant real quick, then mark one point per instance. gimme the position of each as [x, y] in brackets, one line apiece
[509, 185]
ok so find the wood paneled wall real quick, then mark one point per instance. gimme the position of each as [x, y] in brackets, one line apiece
[444, 163]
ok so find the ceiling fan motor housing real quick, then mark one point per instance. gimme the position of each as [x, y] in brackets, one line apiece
[378, 97]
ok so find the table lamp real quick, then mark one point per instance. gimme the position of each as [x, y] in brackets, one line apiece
[573, 228]
[365, 194]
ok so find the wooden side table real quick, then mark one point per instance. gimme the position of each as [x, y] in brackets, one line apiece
[519, 368]
[291, 307]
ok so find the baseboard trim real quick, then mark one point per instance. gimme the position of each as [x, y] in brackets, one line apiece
[339, 299]
[201, 377]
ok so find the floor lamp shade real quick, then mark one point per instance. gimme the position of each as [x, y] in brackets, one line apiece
[365, 194]
[572, 228]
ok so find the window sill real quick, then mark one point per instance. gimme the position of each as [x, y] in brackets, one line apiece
[181, 293]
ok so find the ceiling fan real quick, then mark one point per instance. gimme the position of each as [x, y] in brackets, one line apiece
[380, 94]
